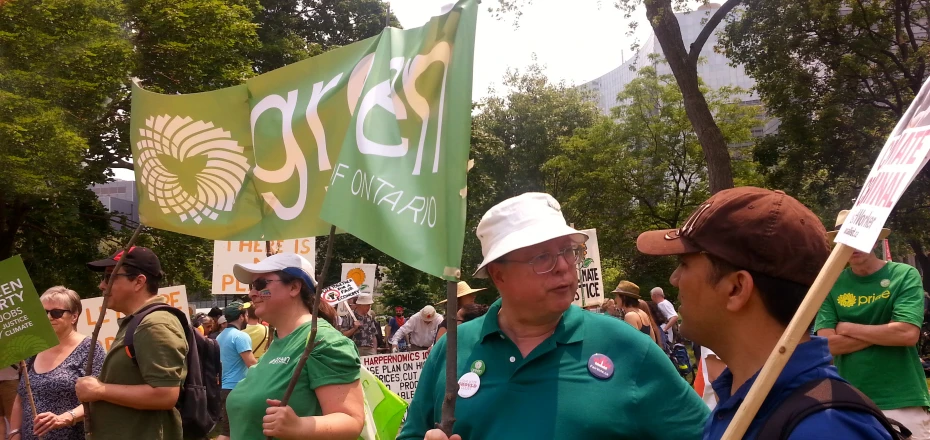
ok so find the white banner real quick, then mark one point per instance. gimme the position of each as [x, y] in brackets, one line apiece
[400, 372]
[362, 274]
[905, 153]
[175, 295]
[339, 292]
[590, 277]
[228, 253]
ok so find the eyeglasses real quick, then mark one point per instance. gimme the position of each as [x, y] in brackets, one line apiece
[261, 284]
[106, 276]
[56, 313]
[544, 263]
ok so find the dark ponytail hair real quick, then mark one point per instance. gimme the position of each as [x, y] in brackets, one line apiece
[326, 311]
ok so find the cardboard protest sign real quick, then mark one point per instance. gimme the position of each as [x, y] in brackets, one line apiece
[339, 292]
[905, 153]
[400, 372]
[362, 274]
[590, 277]
[24, 326]
[175, 295]
[372, 137]
[228, 253]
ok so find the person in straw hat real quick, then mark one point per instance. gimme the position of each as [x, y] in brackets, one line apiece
[466, 295]
[746, 258]
[628, 296]
[537, 367]
[872, 318]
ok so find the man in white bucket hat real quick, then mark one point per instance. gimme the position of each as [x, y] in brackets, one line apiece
[537, 367]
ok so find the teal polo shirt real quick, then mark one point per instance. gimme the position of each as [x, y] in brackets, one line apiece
[551, 394]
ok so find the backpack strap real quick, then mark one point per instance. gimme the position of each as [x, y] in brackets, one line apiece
[263, 340]
[129, 338]
[818, 395]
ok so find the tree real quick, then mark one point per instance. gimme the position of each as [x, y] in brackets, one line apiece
[643, 168]
[683, 63]
[838, 75]
[61, 62]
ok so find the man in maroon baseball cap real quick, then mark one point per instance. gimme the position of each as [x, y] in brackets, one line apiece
[137, 394]
[747, 257]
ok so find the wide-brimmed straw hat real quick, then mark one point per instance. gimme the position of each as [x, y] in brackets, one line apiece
[627, 288]
[462, 289]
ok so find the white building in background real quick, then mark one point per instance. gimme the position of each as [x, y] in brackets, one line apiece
[119, 196]
[714, 69]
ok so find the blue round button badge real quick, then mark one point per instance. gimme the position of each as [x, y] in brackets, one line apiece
[600, 366]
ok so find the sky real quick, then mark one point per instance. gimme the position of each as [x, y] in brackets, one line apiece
[575, 41]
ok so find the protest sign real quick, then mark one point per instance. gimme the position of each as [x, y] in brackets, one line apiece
[362, 274]
[590, 277]
[339, 292]
[228, 253]
[372, 137]
[24, 326]
[903, 156]
[400, 372]
[176, 296]
[905, 153]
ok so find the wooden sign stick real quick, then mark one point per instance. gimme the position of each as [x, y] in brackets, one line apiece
[789, 341]
[32, 401]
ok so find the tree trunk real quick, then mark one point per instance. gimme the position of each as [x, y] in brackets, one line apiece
[13, 219]
[716, 153]
[923, 262]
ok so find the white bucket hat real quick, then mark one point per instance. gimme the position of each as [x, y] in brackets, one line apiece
[519, 222]
[291, 263]
[364, 299]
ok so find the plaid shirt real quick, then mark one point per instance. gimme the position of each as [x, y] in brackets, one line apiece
[367, 334]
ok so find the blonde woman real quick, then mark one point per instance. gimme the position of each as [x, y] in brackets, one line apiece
[53, 373]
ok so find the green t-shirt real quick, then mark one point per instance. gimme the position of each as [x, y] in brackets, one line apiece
[334, 360]
[161, 348]
[891, 376]
[554, 392]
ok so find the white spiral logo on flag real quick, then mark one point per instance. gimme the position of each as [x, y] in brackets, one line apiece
[182, 139]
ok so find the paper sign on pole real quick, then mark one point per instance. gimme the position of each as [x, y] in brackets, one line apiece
[400, 372]
[905, 153]
[362, 274]
[339, 292]
[228, 253]
[174, 295]
[590, 277]
[24, 326]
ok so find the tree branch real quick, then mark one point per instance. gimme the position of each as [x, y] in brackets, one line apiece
[708, 29]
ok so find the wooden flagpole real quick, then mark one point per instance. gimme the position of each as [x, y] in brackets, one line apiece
[789, 341]
[89, 367]
[452, 384]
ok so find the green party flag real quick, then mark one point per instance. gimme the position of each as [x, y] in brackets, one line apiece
[372, 137]
[24, 326]
[384, 410]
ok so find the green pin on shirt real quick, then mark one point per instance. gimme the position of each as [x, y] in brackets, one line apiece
[477, 367]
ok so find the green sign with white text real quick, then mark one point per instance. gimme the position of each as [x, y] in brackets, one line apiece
[372, 137]
[24, 326]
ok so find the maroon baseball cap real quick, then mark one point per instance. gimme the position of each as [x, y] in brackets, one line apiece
[139, 257]
[751, 228]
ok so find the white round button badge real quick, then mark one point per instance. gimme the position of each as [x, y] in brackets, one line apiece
[468, 385]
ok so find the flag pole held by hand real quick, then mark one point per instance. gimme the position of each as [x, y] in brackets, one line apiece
[89, 367]
[452, 385]
[32, 401]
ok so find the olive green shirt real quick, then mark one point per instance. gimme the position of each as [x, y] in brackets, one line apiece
[161, 348]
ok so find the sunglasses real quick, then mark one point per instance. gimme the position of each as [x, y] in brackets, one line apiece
[56, 313]
[106, 276]
[260, 284]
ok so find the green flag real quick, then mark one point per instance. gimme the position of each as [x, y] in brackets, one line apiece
[24, 326]
[372, 137]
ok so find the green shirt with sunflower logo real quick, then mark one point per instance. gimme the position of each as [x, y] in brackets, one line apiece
[892, 377]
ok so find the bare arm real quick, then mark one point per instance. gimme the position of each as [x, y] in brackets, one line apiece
[670, 323]
[893, 334]
[145, 397]
[840, 344]
[440, 332]
[343, 416]
[16, 420]
[248, 358]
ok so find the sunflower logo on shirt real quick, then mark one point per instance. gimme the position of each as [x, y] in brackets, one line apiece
[846, 300]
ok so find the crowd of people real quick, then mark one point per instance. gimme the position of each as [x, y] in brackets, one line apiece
[746, 259]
